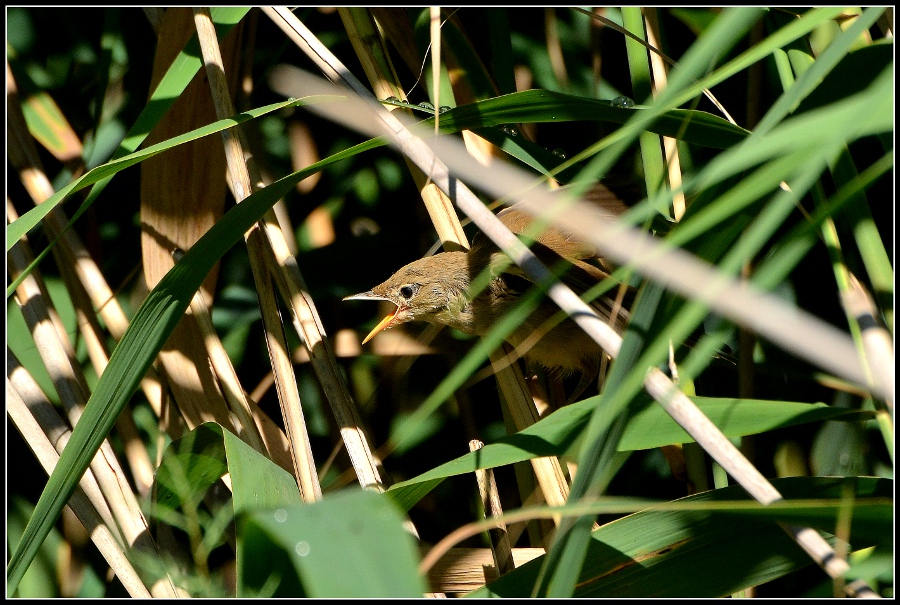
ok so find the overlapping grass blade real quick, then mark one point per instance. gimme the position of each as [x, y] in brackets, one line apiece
[170, 87]
[351, 544]
[651, 427]
[534, 106]
[563, 562]
[148, 331]
[656, 553]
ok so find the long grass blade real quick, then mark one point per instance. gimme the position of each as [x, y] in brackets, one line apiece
[149, 330]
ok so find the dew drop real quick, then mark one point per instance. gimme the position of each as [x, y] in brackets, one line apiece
[302, 548]
[559, 152]
[445, 108]
[281, 515]
[623, 102]
[426, 105]
[392, 100]
[509, 130]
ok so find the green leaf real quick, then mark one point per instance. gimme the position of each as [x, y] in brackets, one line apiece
[141, 343]
[177, 77]
[350, 545]
[48, 124]
[556, 434]
[658, 553]
[652, 427]
[547, 106]
[21, 226]
[193, 463]
[41, 579]
[170, 87]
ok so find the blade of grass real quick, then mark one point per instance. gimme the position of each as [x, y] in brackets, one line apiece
[641, 84]
[30, 219]
[650, 427]
[535, 106]
[655, 382]
[687, 81]
[148, 331]
[242, 185]
[563, 563]
[655, 552]
[170, 87]
[441, 176]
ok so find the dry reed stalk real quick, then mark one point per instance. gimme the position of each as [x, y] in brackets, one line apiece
[239, 179]
[228, 379]
[383, 78]
[263, 434]
[626, 246]
[523, 413]
[86, 285]
[55, 429]
[287, 277]
[670, 148]
[466, 569]
[55, 349]
[83, 506]
[47, 434]
[501, 548]
[379, 69]
[876, 339]
[177, 207]
[135, 451]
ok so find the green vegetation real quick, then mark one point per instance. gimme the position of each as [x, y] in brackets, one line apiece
[234, 437]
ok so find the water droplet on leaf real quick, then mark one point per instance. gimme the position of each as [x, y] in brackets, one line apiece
[623, 102]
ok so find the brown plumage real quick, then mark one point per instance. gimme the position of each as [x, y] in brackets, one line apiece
[436, 289]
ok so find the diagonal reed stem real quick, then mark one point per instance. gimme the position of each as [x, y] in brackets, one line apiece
[242, 186]
[596, 228]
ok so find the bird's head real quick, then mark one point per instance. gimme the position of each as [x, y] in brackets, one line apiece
[431, 289]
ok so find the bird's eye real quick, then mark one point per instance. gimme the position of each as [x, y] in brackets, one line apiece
[407, 291]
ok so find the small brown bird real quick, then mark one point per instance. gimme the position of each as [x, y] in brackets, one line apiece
[437, 289]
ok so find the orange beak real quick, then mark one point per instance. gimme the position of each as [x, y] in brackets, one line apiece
[384, 323]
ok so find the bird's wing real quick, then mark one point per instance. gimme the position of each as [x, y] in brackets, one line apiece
[558, 250]
[518, 220]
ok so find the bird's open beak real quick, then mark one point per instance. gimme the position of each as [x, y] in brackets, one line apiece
[384, 323]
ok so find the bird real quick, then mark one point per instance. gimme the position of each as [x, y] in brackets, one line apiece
[438, 289]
